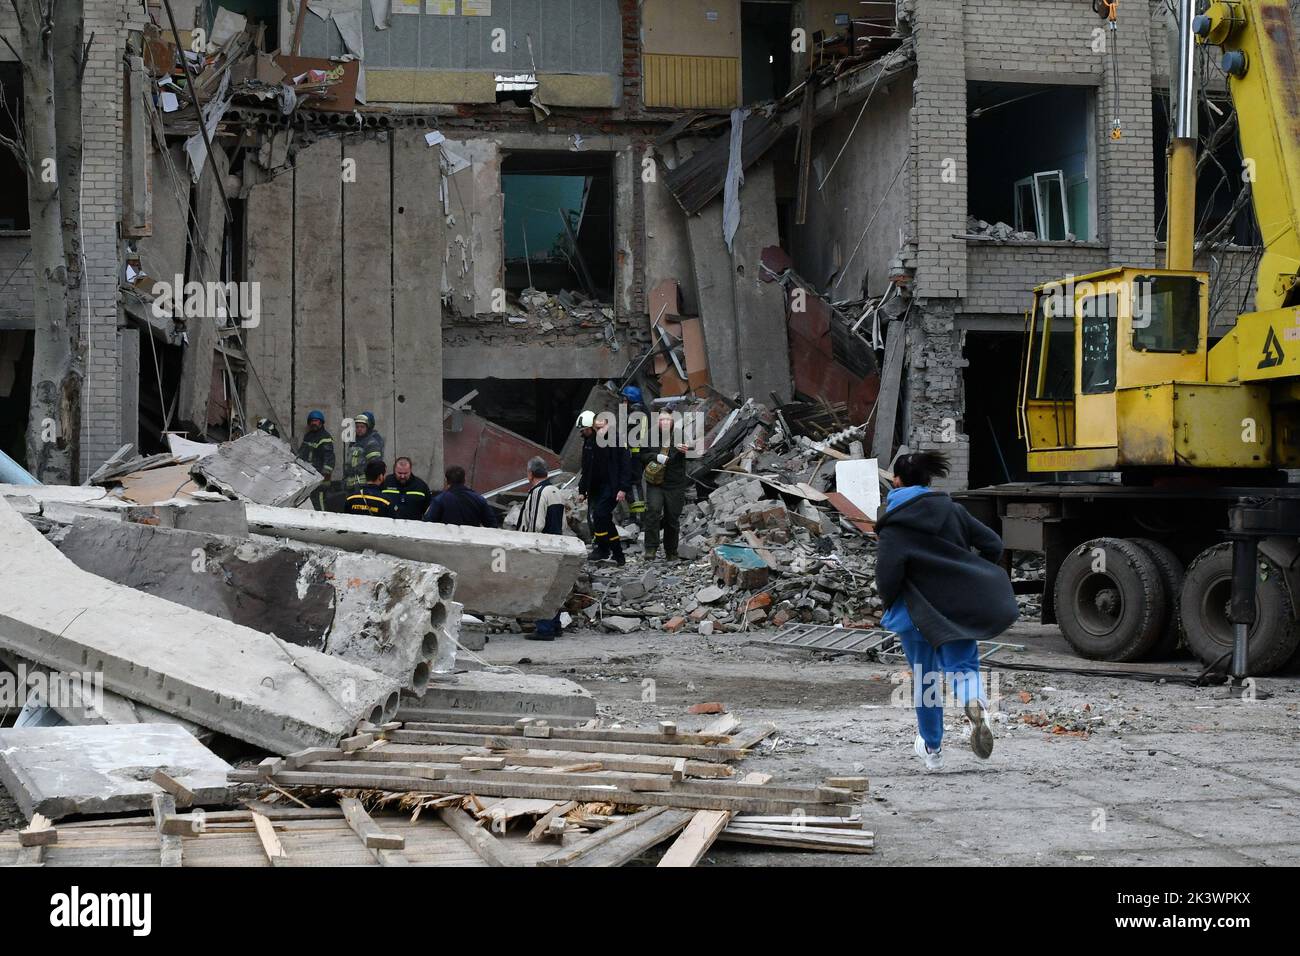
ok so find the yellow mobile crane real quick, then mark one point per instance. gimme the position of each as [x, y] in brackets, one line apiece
[1117, 377]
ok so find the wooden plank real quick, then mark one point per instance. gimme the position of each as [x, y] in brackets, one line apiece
[751, 736]
[755, 778]
[569, 855]
[299, 778]
[795, 841]
[271, 845]
[689, 848]
[40, 832]
[722, 727]
[597, 734]
[855, 822]
[543, 825]
[714, 754]
[490, 850]
[268, 261]
[356, 742]
[509, 808]
[418, 228]
[368, 350]
[183, 795]
[852, 513]
[628, 846]
[169, 846]
[318, 287]
[371, 834]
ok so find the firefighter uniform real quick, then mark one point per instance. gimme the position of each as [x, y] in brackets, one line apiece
[317, 449]
[410, 501]
[368, 500]
[363, 450]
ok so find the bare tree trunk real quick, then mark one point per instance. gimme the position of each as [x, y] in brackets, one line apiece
[69, 28]
[54, 419]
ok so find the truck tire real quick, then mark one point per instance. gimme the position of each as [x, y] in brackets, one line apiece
[1110, 600]
[1207, 589]
[1171, 576]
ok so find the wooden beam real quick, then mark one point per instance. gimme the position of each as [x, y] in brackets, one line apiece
[505, 742]
[169, 845]
[490, 850]
[580, 733]
[367, 829]
[689, 848]
[542, 827]
[271, 845]
[39, 832]
[183, 795]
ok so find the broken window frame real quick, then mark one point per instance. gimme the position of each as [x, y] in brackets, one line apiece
[1041, 207]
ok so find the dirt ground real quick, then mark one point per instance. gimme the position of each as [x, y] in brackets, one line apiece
[1087, 770]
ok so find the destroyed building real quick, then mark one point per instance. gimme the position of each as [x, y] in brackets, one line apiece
[428, 202]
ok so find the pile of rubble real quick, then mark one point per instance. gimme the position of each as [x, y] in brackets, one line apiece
[979, 229]
[783, 537]
[558, 310]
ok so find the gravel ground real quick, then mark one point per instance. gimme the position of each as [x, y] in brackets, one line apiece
[1088, 770]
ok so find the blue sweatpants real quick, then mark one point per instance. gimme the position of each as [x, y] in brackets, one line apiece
[959, 661]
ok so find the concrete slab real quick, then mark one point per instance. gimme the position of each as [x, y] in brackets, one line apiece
[59, 771]
[511, 573]
[375, 610]
[258, 468]
[486, 697]
[220, 675]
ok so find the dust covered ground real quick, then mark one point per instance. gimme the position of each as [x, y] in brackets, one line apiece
[1087, 770]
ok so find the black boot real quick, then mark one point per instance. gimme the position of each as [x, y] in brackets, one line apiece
[616, 547]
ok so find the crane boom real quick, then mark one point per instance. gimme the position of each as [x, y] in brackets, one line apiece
[1259, 56]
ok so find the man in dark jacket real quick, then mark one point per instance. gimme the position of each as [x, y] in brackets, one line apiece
[606, 480]
[542, 513]
[460, 504]
[369, 499]
[664, 470]
[317, 449]
[941, 597]
[408, 495]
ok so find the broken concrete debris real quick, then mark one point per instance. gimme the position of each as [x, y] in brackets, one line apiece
[258, 468]
[59, 771]
[246, 684]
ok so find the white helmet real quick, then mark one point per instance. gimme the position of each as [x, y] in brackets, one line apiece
[587, 420]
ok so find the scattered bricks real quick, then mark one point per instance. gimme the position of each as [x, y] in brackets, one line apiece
[712, 707]
[735, 566]
[762, 599]
[699, 614]
[674, 624]
[781, 617]
[757, 616]
[762, 514]
[706, 628]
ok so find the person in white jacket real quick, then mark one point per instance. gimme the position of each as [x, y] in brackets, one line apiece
[542, 513]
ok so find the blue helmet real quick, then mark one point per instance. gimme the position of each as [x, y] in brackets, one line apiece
[632, 394]
[316, 415]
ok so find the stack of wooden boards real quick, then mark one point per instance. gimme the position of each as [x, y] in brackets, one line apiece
[526, 794]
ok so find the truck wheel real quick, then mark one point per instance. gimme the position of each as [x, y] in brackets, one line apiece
[1207, 591]
[1171, 576]
[1110, 600]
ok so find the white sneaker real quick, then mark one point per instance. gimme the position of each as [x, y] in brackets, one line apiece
[981, 730]
[933, 760]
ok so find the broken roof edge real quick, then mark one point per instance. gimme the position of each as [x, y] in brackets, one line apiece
[694, 185]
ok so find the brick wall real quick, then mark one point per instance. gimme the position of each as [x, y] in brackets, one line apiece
[101, 212]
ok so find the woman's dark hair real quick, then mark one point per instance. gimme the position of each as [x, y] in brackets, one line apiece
[922, 467]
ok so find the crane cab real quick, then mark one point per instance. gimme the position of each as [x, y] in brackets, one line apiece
[1115, 376]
